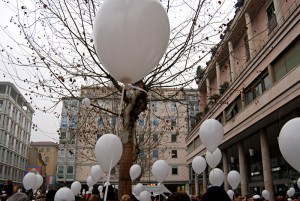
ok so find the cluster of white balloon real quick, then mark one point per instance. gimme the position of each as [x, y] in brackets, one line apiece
[211, 134]
[32, 181]
[160, 170]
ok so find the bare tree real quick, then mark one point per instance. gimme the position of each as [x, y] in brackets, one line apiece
[58, 55]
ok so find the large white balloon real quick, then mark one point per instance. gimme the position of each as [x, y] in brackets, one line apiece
[265, 194]
[108, 151]
[216, 177]
[234, 179]
[64, 194]
[130, 37]
[230, 193]
[96, 172]
[211, 134]
[289, 193]
[199, 164]
[288, 140]
[145, 196]
[298, 182]
[86, 102]
[29, 180]
[213, 158]
[39, 182]
[135, 171]
[90, 182]
[137, 189]
[76, 187]
[160, 170]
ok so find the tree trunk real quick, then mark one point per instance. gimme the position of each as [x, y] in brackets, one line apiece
[126, 162]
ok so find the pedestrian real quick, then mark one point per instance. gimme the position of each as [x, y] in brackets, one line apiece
[179, 196]
[215, 193]
[126, 197]
[19, 197]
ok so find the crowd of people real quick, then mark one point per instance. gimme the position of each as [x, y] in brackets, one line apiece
[213, 193]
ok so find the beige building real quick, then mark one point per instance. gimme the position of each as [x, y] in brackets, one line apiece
[161, 133]
[252, 86]
[48, 151]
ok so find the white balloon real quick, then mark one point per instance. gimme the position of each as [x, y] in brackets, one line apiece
[230, 193]
[39, 182]
[288, 140]
[108, 151]
[234, 179]
[96, 172]
[76, 187]
[298, 182]
[131, 37]
[211, 134]
[265, 194]
[135, 171]
[289, 193]
[100, 188]
[86, 102]
[199, 164]
[29, 180]
[145, 196]
[292, 190]
[137, 189]
[64, 194]
[160, 170]
[216, 177]
[213, 158]
[90, 182]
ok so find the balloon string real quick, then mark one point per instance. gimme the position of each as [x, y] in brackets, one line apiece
[108, 177]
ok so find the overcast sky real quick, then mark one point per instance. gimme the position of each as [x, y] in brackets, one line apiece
[47, 123]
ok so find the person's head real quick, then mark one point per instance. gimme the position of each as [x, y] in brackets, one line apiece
[199, 198]
[126, 198]
[18, 197]
[215, 193]
[94, 198]
[237, 197]
[179, 196]
[249, 197]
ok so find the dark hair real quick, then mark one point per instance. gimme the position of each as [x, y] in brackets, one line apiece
[179, 196]
[215, 193]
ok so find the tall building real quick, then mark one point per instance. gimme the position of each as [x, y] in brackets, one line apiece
[15, 129]
[160, 132]
[252, 86]
[48, 151]
[67, 148]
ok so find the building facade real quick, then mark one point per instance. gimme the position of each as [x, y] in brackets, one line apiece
[252, 86]
[15, 129]
[160, 132]
[48, 151]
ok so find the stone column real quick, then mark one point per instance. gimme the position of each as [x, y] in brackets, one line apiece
[225, 168]
[218, 77]
[278, 11]
[243, 171]
[265, 157]
[208, 90]
[196, 184]
[204, 181]
[232, 61]
[249, 34]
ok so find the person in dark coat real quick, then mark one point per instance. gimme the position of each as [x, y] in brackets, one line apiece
[215, 193]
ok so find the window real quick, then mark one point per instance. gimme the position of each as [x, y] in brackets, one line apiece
[48, 149]
[174, 137]
[141, 138]
[154, 106]
[72, 138]
[234, 108]
[172, 107]
[60, 172]
[258, 86]
[247, 48]
[155, 122]
[174, 170]
[47, 159]
[272, 22]
[141, 122]
[1, 105]
[155, 153]
[101, 103]
[141, 155]
[2, 89]
[173, 122]
[64, 121]
[220, 118]
[70, 169]
[155, 137]
[73, 121]
[113, 121]
[99, 121]
[174, 153]
[287, 60]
